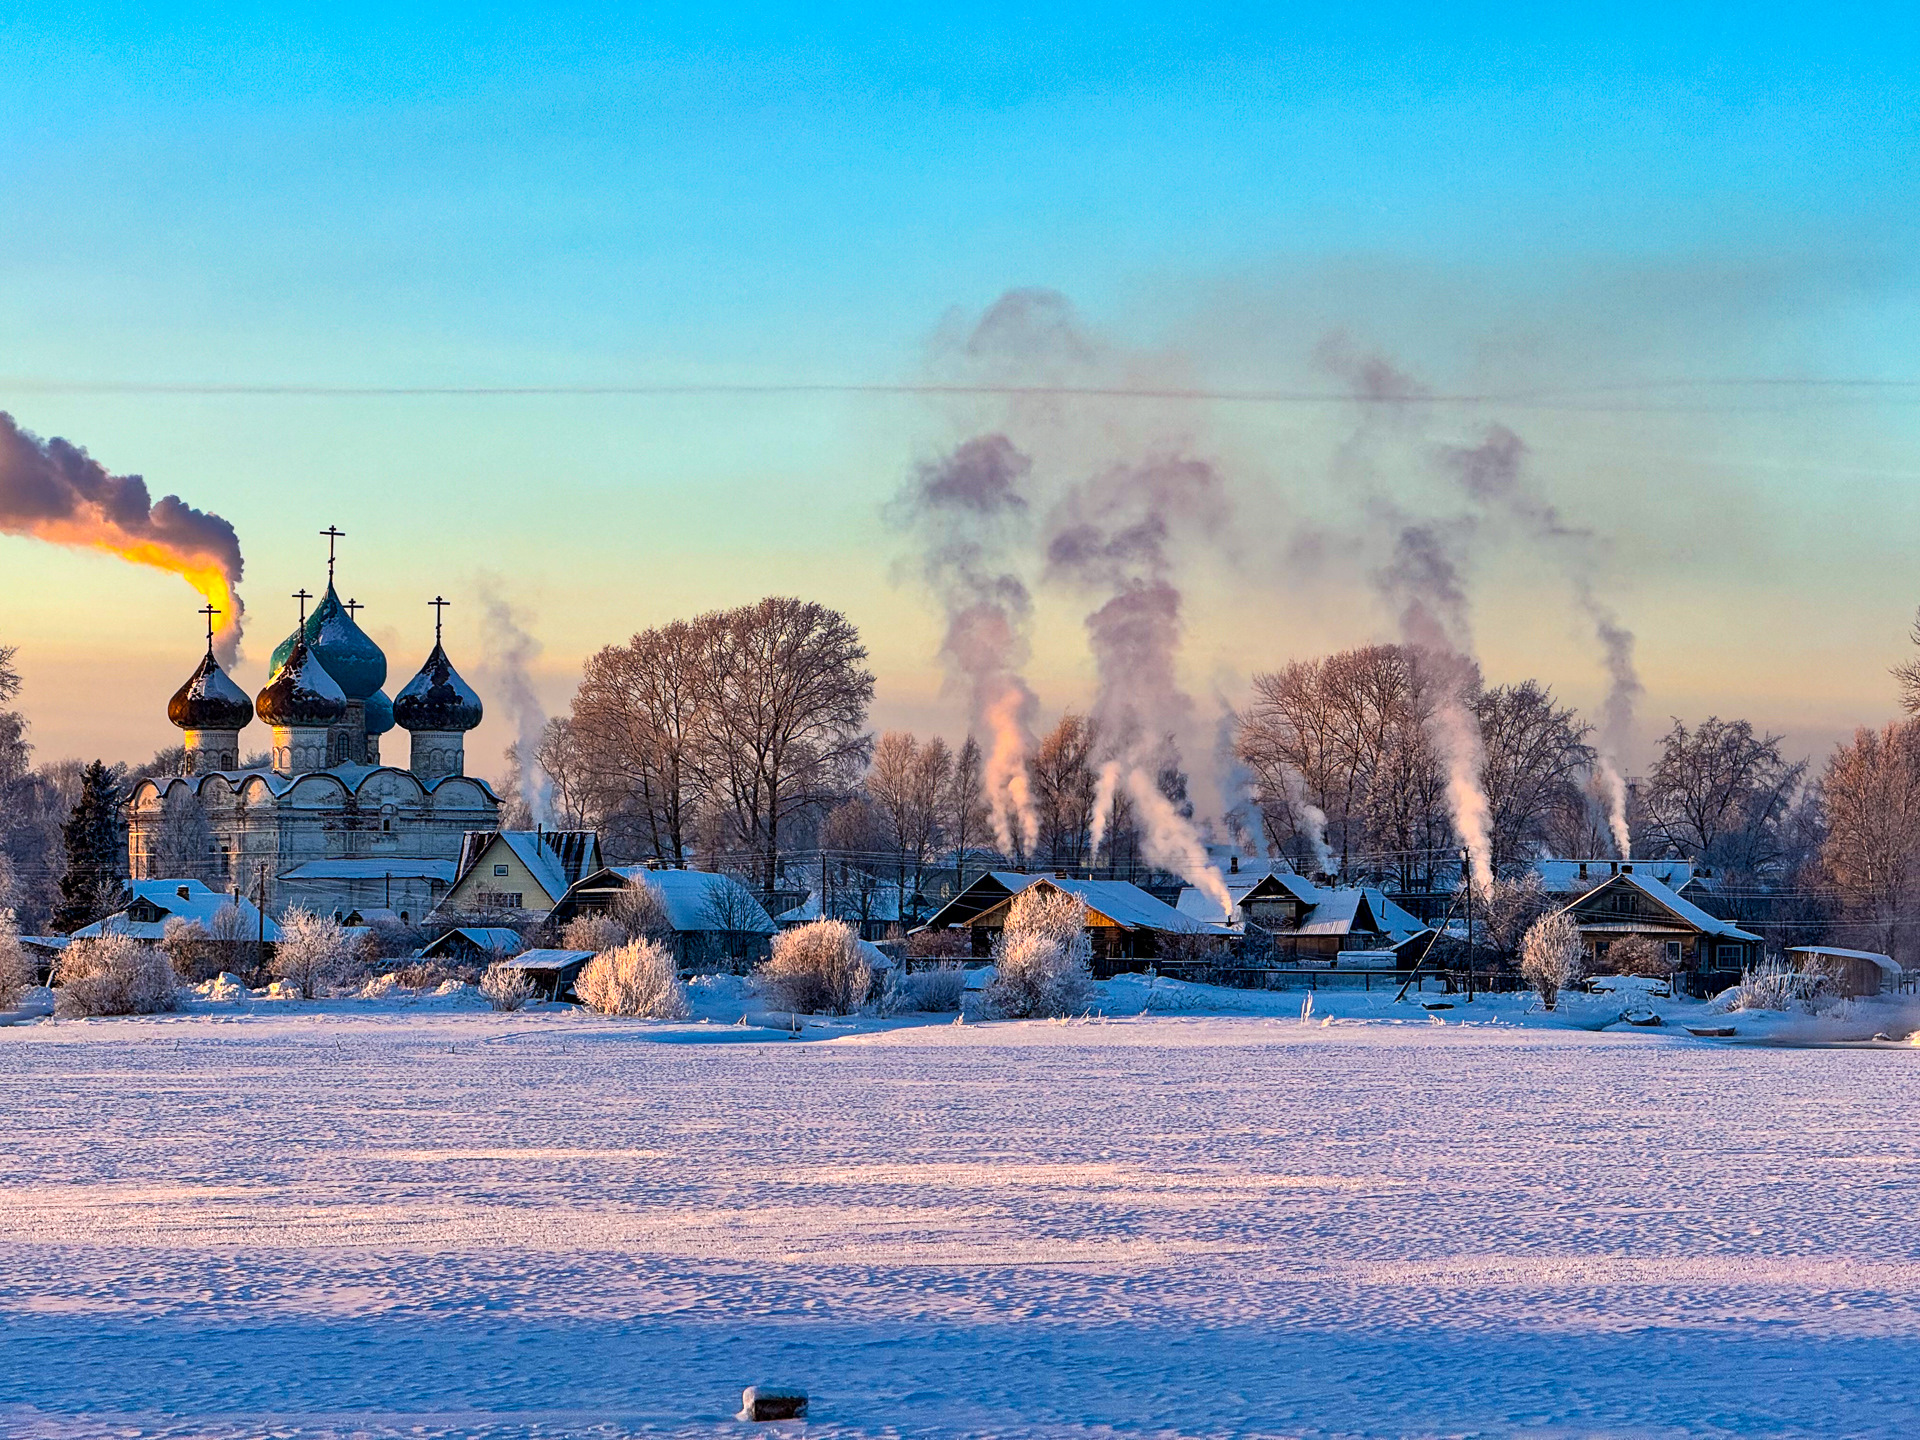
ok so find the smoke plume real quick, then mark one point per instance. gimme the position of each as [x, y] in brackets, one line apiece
[52, 490]
[1493, 476]
[967, 510]
[509, 655]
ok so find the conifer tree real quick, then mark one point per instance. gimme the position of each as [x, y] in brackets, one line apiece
[92, 837]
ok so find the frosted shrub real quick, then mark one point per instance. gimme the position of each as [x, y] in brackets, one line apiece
[112, 975]
[816, 967]
[638, 978]
[640, 910]
[1551, 956]
[595, 932]
[506, 988]
[1772, 986]
[313, 954]
[937, 990]
[188, 946]
[17, 972]
[1042, 959]
[1639, 955]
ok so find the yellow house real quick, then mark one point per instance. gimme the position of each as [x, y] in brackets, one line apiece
[520, 870]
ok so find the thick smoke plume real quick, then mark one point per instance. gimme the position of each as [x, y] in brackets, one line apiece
[968, 510]
[52, 490]
[509, 656]
[1113, 533]
[1493, 476]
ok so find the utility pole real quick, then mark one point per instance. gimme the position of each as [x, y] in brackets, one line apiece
[1466, 879]
[260, 945]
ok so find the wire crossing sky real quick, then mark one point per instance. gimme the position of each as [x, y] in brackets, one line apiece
[617, 316]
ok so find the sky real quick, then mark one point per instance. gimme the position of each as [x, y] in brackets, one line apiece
[1660, 245]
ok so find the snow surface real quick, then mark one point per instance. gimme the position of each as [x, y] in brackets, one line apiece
[409, 1216]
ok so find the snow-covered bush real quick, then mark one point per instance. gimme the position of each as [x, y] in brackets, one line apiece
[188, 946]
[593, 931]
[314, 954]
[506, 988]
[1771, 986]
[814, 968]
[938, 990]
[1551, 956]
[950, 944]
[432, 974]
[638, 978]
[17, 971]
[641, 911]
[112, 974]
[1640, 955]
[1042, 958]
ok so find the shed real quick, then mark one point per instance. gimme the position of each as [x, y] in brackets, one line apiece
[552, 971]
[1849, 972]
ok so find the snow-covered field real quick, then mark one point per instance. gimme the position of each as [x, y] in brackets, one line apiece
[369, 1218]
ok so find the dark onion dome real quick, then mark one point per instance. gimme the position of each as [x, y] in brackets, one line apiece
[346, 651]
[437, 698]
[379, 713]
[302, 693]
[210, 701]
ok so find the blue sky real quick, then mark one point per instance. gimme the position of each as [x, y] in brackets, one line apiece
[356, 196]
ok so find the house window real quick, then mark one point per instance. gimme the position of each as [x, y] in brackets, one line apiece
[1673, 952]
[499, 869]
[1726, 955]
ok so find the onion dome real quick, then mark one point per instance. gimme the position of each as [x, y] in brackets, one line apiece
[210, 701]
[379, 713]
[344, 650]
[302, 693]
[437, 698]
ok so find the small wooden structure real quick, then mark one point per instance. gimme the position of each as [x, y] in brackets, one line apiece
[475, 945]
[552, 971]
[1853, 973]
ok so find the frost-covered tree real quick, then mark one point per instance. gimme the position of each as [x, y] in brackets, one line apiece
[593, 931]
[641, 910]
[112, 974]
[1551, 956]
[815, 968]
[1509, 909]
[17, 971]
[313, 953]
[189, 948]
[1042, 959]
[638, 978]
[1871, 853]
[505, 987]
[1640, 955]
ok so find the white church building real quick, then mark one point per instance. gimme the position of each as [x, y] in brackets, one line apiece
[327, 826]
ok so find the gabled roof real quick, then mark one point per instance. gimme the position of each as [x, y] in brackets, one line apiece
[556, 859]
[483, 937]
[1563, 877]
[188, 899]
[695, 899]
[1119, 901]
[548, 959]
[1681, 909]
[1338, 911]
[983, 892]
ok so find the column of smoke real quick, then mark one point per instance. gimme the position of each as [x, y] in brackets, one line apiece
[1493, 475]
[510, 653]
[1113, 532]
[1313, 817]
[967, 509]
[1239, 804]
[54, 491]
[1433, 618]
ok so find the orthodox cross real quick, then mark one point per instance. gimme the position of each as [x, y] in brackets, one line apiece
[209, 611]
[332, 533]
[439, 606]
[353, 607]
[302, 596]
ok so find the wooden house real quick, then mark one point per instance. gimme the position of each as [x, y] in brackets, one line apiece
[1711, 951]
[520, 870]
[717, 921]
[475, 945]
[1124, 922]
[1309, 924]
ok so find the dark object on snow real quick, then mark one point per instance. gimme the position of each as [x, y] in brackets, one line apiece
[1646, 1019]
[1437, 1004]
[773, 1402]
[1710, 1032]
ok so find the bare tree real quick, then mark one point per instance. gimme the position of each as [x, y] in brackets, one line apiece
[1719, 793]
[1064, 785]
[784, 697]
[965, 821]
[907, 783]
[1536, 754]
[1872, 850]
[183, 841]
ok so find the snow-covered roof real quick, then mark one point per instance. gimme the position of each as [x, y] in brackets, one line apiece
[530, 849]
[1563, 877]
[1124, 903]
[1202, 906]
[704, 899]
[188, 899]
[876, 958]
[1682, 909]
[486, 937]
[547, 959]
[372, 868]
[1331, 912]
[1833, 952]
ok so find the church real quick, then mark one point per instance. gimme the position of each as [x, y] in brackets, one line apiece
[327, 825]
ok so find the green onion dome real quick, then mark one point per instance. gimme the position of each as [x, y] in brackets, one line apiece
[346, 651]
[302, 693]
[379, 713]
[437, 698]
[210, 700]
